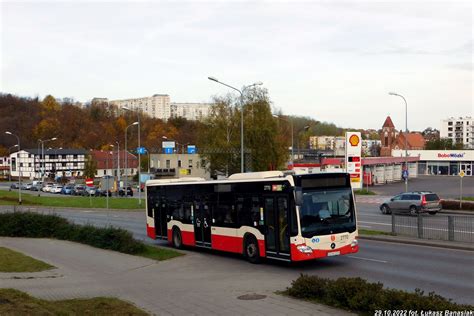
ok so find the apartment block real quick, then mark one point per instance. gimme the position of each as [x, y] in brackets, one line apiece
[460, 130]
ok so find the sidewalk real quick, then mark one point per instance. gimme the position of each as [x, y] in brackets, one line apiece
[188, 285]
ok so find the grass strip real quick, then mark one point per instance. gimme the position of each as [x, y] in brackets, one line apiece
[369, 232]
[365, 298]
[364, 192]
[28, 198]
[12, 261]
[14, 302]
[34, 225]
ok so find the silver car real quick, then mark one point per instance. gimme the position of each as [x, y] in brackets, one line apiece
[413, 202]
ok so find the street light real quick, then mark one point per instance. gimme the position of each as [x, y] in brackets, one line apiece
[406, 136]
[126, 152]
[241, 115]
[292, 138]
[42, 156]
[9, 171]
[19, 165]
[139, 151]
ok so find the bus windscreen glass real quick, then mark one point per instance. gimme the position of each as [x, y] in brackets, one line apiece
[327, 212]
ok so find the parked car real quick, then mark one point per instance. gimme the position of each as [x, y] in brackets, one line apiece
[47, 187]
[89, 191]
[123, 192]
[100, 192]
[413, 202]
[36, 187]
[78, 189]
[67, 189]
[14, 186]
[56, 189]
[27, 186]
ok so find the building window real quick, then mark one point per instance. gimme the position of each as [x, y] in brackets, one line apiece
[105, 172]
[179, 163]
[450, 129]
[64, 156]
[75, 156]
[190, 163]
[75, 164]
[450, 123]
[450, 134]
[29, 165]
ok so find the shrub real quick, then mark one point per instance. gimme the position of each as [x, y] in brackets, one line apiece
[454, 205]
[26, 224]
[360, 296]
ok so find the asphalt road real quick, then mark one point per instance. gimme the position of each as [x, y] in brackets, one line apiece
[445, 271]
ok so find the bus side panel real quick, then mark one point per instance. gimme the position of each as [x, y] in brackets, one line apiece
[150, 231]
[187, 232]
[226, 239]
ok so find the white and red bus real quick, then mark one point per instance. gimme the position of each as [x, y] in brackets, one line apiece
[260, 214]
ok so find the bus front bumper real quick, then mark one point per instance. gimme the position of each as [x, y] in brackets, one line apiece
[299, 253]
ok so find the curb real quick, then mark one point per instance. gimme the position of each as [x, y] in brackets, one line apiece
[419, 242]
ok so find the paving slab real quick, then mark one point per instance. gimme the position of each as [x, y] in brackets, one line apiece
[195, 284]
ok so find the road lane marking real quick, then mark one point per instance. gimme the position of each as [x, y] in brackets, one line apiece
[368, 259]
[365, 226]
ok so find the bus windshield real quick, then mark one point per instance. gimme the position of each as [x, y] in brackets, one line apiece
[327, 212]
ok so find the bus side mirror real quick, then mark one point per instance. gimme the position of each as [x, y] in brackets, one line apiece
[298, 197]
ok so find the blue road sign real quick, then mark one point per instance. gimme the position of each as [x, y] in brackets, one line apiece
[168, 150]
[141, 150]
[191, 149]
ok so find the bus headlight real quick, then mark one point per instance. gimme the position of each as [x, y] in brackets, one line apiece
[304, 249]
[354, 243]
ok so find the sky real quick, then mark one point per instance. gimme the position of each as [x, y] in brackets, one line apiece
[333, 61]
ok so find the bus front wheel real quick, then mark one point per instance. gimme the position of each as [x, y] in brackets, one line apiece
[251, 251]
[177, 240]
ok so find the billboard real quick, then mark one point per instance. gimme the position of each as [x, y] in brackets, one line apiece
[353, 158]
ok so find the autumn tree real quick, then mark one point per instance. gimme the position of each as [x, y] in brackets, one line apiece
[90, 167]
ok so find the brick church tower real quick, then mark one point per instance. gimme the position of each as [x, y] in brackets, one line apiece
[388, 135]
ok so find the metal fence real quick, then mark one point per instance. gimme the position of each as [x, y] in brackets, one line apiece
[438, 227]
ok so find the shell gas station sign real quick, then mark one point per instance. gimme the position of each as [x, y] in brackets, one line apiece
[353, 158]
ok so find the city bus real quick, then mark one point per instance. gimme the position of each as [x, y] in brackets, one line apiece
[268, 214]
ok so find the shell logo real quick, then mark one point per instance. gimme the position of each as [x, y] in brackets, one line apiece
[354, 140]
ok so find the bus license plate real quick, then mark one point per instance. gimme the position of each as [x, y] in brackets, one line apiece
[334, 253]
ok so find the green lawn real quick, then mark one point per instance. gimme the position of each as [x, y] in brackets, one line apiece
[12, 261]
[14, 302]
[364, 192]
[11, 198]
[159, 253]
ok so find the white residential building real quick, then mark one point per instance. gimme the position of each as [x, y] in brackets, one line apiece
[191, 111]
[334, 143]
[56, 162]
[156, 106]
[459, 130]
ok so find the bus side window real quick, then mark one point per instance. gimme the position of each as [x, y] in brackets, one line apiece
[224, 213]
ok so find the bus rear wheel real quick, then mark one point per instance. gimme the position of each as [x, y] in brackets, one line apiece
[251, 251]
[177, 240]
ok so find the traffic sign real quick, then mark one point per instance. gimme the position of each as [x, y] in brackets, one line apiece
[405, 174]
[191, 149]
[89, 182]
[168, 150]
[141, 150]
[462, 173]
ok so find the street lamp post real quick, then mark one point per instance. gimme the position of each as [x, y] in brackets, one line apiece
[118, 162]
[242, 169]
[42, 156]
[139, 155]
[292, 138]
[19, 165]
[10, 171]
[126, 152]
[406, 136]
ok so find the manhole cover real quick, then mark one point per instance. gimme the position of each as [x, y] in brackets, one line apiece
[251, 297]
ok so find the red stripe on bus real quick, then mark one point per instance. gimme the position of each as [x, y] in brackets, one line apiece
[227, 243]
[296, 255]
[188, 238]
[150, 231]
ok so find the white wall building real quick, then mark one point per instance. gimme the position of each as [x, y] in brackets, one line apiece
[59, 162]
[156, 106]
[178, 166]
[442, 162]
[459, 130]
[191, 111]
[334, 143]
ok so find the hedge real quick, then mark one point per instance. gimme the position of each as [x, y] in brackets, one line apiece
[33, 225]
[454, 205]
[358, 295]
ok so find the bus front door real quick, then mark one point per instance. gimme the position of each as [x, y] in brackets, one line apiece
[202, 225]
[277, 237]
[161, 221]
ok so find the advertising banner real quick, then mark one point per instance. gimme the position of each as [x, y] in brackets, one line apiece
[353, 158]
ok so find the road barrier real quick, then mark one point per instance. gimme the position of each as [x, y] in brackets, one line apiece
[437, 227]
